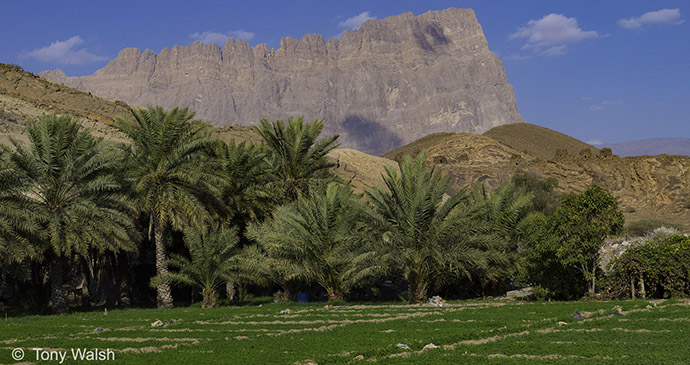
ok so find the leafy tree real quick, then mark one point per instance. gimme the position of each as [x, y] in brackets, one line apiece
[314, 239]
[68, 181]
[172, 178]
[544, 268]
[295, 153]
[216, 258]
[583, 221]
[431, 237]
[566, 245]
[659, 269]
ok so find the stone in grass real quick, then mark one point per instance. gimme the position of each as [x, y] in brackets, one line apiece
[359, 357]
[170, 321]
[403, 346]
[578, 316]
[98, 329]
[430, 346]
[306, 362]
[157, 323]
[286, 311]
[561, 323]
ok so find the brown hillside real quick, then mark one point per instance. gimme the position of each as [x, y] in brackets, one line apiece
[646, 187]
[417, 146]
[537, 141]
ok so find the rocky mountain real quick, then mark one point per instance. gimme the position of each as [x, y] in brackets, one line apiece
[389, 83]
[652, 146]
[646, 187]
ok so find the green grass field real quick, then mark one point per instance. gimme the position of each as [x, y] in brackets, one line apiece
[471, 331]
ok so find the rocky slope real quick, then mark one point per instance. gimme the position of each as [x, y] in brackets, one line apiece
[646, 187]
[389, 83]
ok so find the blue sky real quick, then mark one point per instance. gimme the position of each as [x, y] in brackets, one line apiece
[610, 71]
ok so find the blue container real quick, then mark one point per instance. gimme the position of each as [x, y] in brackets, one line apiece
[303, 297]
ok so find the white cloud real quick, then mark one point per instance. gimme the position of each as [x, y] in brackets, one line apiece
[554, 51]
[604, 104]
[663, 16]
[242, 34]
[64, 53]
[220, 38]
[550, 34]
[517, 57]
[356, 21]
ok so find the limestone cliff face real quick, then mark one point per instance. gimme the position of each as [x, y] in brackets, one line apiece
[388, 83]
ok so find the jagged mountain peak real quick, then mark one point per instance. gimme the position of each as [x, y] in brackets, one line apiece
[386, 84]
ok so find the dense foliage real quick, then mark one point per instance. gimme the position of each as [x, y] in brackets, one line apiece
[83, 221]
[654, 269]
[565, 246]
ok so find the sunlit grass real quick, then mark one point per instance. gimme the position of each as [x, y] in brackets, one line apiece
[476, 331]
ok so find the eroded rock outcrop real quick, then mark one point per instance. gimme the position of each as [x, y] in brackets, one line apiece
[390, 82]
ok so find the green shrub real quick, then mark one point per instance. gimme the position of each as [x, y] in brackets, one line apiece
[655, 269]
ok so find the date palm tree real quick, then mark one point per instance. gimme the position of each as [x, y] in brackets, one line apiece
[315, 239]
[431, 237]
[216, 258]
[506, 210]
[16, 222]
[295, 153]
[68, 181]
[246, 193]
[172, 177]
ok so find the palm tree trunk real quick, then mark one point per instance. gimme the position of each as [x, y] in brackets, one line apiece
[164, 297]
[335, 294]
[209, 298]
[230, 290]
[416, 287]
[57, 293]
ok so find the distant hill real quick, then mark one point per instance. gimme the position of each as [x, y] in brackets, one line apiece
[652, 146]
[538, 141]
[645, 187]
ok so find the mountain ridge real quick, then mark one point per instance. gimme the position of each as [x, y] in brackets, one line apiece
[646, 187]
[384, 85]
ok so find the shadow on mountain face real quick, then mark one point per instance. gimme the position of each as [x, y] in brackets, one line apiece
[429, 37]
[436, 33]
[368, 136]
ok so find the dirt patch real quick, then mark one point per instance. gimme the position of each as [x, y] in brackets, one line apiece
[552, 330]
[130, 328]
[144, 350]
[545, 357]
[147, 339]
[641, 330]
[484, 340]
